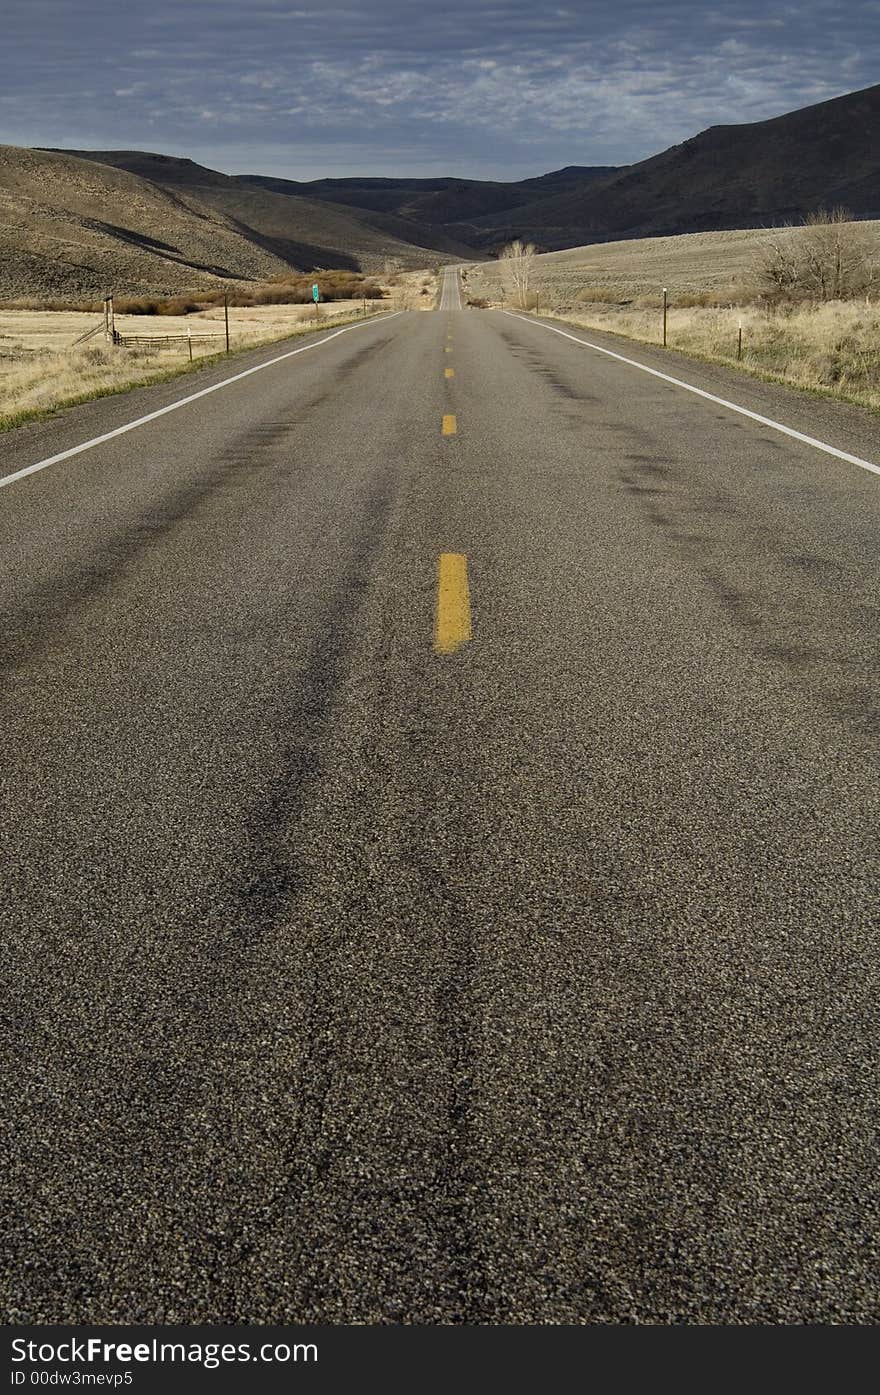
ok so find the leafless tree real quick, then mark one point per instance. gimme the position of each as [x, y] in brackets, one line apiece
[830, 258]
[516, 269]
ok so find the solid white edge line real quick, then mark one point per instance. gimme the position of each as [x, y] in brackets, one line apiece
[182, 402]
[710, 396]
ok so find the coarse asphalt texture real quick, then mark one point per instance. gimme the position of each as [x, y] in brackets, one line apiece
[351, 982]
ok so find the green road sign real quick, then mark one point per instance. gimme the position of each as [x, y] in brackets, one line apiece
[316, 294]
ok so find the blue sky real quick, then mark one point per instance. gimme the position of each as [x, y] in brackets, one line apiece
[501, 89]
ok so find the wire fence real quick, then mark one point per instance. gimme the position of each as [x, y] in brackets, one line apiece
[164, 339]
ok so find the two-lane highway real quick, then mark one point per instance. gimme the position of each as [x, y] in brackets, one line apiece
[450, 289]
[439, 840]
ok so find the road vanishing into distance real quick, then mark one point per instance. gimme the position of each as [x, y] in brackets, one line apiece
[439, 840]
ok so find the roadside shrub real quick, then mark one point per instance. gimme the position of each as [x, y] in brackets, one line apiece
[294, 288]
[830, 258]
[599, 295]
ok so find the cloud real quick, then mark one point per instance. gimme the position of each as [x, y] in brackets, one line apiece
[507, 87]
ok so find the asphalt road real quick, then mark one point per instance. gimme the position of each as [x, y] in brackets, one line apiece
[534, 980]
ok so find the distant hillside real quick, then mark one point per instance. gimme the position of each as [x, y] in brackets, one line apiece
[80, 226]
[761, 174]
[70, 228]
[441, 202]
[74, 223]
[303, 232]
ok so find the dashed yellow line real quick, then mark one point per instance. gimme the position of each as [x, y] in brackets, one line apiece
[448, 351]
[453, 623]
[449, 372]
[450, 426]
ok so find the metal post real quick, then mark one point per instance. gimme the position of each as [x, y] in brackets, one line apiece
[537, 303]
[664, 316]
[189, 340]
[739, 342]
[226, 319]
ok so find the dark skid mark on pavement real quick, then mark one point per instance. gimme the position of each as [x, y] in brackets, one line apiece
[195, 1013]
[54, 608]
[537, 362]
[678, 514]
[264, 894]
[268, 882]
[457, 1193]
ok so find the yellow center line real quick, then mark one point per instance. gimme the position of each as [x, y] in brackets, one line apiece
[449, 372]
[453, 625]
[449, 351]
[450, 426]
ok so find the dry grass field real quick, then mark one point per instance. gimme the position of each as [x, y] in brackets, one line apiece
[833, 348]
[716, 265]
[42, 367]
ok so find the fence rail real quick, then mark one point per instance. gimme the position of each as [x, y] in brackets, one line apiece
[89, 334]
[163, 338]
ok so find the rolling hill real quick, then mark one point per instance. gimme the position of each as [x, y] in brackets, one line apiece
[436, 203]
[761, 174]
[70, 228]
[74, 226]
[79, 222]
[288, 218]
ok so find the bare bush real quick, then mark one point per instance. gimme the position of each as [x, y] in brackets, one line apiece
[829, 258]
[599, 295]
[516, 269]
[291, 288]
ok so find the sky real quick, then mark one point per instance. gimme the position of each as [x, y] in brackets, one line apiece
[477, 88]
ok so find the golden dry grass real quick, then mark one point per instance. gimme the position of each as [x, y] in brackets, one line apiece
[412, 290]
[42, 369]
[719, 265]
[832, 348]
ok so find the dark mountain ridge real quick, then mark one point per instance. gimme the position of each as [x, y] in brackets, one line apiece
[734, 176]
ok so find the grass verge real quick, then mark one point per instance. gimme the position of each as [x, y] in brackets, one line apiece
[775, 351]
[23, 415]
